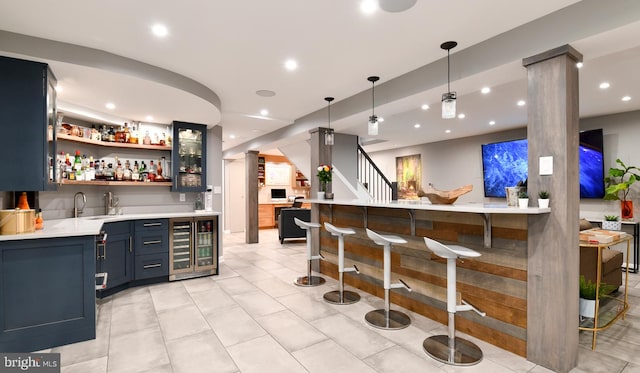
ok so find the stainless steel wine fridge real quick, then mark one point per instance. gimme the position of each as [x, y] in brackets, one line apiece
[193, 247]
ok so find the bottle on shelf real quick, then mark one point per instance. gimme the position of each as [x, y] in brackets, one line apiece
[95, 135]
[119, 172]
[90, 171]
[77, 166]
[112, 135]
[135, 172]
[109, 172]
[104, 133]
[133, 138]
[163, 139]
[127, 171]
[147, 139]
[159, 174]
[152, 171]
[127, 134]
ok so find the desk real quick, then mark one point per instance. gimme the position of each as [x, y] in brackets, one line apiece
[636, 240]
[621, 311]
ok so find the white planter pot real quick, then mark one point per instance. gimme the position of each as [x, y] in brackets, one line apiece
[320, 195]
[543, 203]
[612, 225]
[523, 203]
[587, 307]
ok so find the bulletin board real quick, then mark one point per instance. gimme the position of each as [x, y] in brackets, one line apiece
[277, 174]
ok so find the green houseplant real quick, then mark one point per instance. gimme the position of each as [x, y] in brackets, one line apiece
[618, 182]
[588, 291]
[523, 200]
[543, 199]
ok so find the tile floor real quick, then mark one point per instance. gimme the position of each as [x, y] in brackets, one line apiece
[251, 318]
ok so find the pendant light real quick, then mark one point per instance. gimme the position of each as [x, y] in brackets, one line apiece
[372, 128]
[449, 98]
[328, 135]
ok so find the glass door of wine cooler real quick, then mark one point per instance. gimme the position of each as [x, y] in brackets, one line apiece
[181, 241]
[206, 245]
[189, 157]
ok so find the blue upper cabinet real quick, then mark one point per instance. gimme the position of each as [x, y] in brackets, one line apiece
[27, 123]
[189, 157]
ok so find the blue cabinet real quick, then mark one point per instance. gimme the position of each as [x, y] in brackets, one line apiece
[151, 249]
[189, 157]
[116, 257]
[47, 293]
[27, 112]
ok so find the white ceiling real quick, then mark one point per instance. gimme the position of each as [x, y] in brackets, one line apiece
[238, 47]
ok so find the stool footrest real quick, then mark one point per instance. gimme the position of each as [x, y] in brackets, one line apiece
[313, 257]
[469, 307]
[400, 284]
[353, 269]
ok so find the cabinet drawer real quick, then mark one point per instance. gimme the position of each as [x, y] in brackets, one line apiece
[153, 265]
[152, 242]
[152, 225]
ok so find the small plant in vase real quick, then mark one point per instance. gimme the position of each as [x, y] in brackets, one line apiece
[324, 176]
[618, 182]
[612, 223]
[588, 290]
[523, 200]
[543, 199]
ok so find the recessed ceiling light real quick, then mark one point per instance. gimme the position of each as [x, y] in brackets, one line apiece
[264, 112]
[232, 136]
[149, 118]
[160, 30]
[485, 90]
[380, 119]
[265, 93]
[59, 88]
[424, 107]
[368, 6]
[491, 123]
[291, 65]
[521, 103]
[579, 65]
[461, 116]
[417, 125]
[447, 131]
[605, 85]
[110, 106]
[626, 98]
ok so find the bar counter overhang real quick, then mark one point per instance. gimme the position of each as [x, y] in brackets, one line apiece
[495, 282]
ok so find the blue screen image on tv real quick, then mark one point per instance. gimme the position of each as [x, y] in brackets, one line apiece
[505, 164]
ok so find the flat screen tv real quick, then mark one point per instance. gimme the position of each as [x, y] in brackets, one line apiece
[505, 163]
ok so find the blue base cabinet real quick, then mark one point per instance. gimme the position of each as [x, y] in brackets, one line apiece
[151, 249]
[47, 293]
[116, 258]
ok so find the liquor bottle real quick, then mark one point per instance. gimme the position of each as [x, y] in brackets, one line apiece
[133, 139]
[109, 172]
[112, 135]
[127, 134]
[135, 172]
[95, 135]
[163, 139]
[119, 172]
[127, 171]
[91, 170]
[77, 163]
[155, 140]
[147, 139]
[105, 133]
[159, 174]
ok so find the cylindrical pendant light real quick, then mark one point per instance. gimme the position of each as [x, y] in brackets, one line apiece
[328, 135]
[372, 126]
[449, 98]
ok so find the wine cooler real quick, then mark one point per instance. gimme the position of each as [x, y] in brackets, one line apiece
[193, 249]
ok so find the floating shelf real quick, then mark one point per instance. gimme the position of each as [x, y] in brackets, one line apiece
[65, 137]
[117, 183]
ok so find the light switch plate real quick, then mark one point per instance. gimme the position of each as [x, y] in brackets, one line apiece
[182, 197]
[546, 165]
[217, 189]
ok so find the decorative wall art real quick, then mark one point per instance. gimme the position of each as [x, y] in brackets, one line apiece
[409, 176]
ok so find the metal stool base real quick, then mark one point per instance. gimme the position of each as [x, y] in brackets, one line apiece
[348, 297]
[309, 281]
[396, 320]
[463, 353]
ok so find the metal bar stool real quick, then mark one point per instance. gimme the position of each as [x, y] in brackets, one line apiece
[308, 280]
[387, 318]
[341, 296]
[450, 349]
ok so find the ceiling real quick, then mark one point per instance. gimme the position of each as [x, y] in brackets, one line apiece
[235, 48]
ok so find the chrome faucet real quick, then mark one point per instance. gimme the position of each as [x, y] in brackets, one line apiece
[110, 203]
[77, 211]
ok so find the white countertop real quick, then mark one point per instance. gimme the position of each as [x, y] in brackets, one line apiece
[482, 208]
[91, 225]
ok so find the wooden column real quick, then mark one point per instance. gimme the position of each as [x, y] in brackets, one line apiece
[320, 154]
[251, 196]
[553, 255]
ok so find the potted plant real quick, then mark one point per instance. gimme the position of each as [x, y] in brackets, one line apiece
[612, 223]
[588, 296]
[543, 199]
[523, 200]
[618, 182]
[324, 176]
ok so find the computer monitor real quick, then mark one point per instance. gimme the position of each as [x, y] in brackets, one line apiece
[278, 194]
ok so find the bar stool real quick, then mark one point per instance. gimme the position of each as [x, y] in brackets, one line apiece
[387, 318]
[450, 349]
[308, 280]
[341, 296]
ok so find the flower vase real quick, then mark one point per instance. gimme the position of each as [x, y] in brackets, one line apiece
[626, 208]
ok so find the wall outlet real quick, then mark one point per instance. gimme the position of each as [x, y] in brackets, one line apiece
[182, 197]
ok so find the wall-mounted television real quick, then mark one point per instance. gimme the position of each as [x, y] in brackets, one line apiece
[505, 163]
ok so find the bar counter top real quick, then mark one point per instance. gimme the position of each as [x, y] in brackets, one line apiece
[91, 225]
[482, 208]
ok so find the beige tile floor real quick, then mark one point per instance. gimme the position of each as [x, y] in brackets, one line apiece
[251, 318]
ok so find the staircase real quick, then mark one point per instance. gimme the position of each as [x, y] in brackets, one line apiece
[370, 176]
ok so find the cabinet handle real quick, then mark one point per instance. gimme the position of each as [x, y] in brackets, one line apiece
[130, 244]
[152, 224]
[155, 242]
[152, 266]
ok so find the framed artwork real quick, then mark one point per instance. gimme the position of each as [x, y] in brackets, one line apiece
[409, 176]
